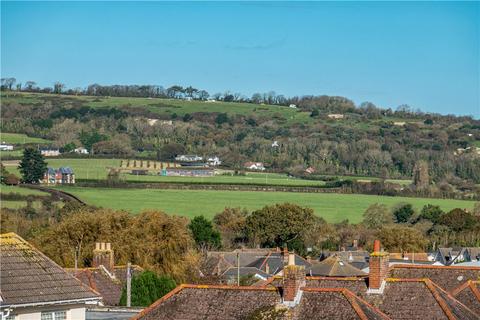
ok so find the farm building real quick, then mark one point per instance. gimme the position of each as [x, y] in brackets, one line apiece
[254, 165]
[139, 172]
[48, 152]
[188, 158]
[6, 147]
[214, 161]
[188, 172]
[81, 150]
[62, 175]
[336, 116]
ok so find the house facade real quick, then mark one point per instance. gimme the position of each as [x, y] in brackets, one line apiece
[62, 175]
[33, 287]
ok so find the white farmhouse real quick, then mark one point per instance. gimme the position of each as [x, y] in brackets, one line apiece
[254, 165]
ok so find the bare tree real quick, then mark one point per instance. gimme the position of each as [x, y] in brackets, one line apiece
[58, 87]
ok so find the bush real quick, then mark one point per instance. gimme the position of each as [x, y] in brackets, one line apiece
[147, 287]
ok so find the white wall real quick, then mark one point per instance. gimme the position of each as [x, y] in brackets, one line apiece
[73, 313]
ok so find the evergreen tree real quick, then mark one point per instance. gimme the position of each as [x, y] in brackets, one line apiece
[147, 287]
[403, 213]
[205, 236]
[33, 166]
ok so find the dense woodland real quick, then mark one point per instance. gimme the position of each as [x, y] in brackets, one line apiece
[366, 142]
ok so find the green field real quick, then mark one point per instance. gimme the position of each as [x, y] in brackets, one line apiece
[20, 138]
[98, 168]
[332, 207]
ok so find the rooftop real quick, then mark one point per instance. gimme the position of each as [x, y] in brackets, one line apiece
[29, 277]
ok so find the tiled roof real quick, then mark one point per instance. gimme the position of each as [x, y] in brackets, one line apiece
[334, 266]
[27, 276]
[420, 299]
[217, 263]
[447, 277]
[244, 271]
[110, 289]
[228, 302]
[469, 294]
[335, 303]
[210, 302]
[65, 170]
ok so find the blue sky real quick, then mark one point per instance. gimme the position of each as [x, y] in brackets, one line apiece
[425, 54]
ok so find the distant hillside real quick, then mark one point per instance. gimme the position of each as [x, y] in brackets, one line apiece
[326, 133]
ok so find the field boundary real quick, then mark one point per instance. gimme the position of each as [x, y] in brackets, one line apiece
[61, 195]
[214, 186]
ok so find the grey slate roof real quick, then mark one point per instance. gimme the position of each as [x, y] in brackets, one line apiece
[334, 266]
[27, 276]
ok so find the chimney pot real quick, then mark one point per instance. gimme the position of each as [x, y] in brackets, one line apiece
[108, 246]
[97, 246]
[376, 246]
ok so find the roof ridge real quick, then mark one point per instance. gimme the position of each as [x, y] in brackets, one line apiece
[265, 260]
[446, 309]
[356, 307]
[197, 286]
[434, 267]
[351, 297]
[474, 289]
[357, 278]
[437, 287]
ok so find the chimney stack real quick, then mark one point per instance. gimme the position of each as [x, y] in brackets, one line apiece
[378, 269]
[285, 255]
[293, 280]
[355, 244]
[103, 256]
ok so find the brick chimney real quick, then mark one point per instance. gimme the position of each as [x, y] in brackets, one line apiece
[378, 269]
[103, 256]
[293, 280]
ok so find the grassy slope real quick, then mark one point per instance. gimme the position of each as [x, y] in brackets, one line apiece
[160, 106]
[20, 138]
[332, 207]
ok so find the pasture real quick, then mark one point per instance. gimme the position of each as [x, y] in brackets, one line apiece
[20, 138]
[98, 168]
[165, 107]
[190, 203]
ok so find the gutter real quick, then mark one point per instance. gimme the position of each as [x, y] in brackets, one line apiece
[48, 303]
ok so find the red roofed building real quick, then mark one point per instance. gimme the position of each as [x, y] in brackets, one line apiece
[386, 292]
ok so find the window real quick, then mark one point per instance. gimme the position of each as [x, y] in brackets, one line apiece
[54, 315]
